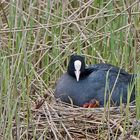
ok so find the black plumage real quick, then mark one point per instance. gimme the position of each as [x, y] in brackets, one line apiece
[100, 81]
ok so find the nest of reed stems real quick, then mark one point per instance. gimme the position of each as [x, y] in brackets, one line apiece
[59, 121]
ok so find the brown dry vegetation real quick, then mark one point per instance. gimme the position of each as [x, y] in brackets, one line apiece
[36, 39]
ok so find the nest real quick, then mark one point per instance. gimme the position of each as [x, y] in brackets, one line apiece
[60, 121]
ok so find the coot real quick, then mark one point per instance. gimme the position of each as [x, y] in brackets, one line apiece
[102, 82]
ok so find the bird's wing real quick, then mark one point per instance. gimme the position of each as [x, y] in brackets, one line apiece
[105, 67]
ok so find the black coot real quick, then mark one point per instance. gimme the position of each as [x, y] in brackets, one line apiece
[102, 82]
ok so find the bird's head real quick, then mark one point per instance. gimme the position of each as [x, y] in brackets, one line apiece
[76, 66]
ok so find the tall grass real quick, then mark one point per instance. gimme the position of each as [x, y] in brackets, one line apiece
[36, 40]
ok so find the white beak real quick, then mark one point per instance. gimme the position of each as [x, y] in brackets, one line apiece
[77, 65]
[77, 74]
